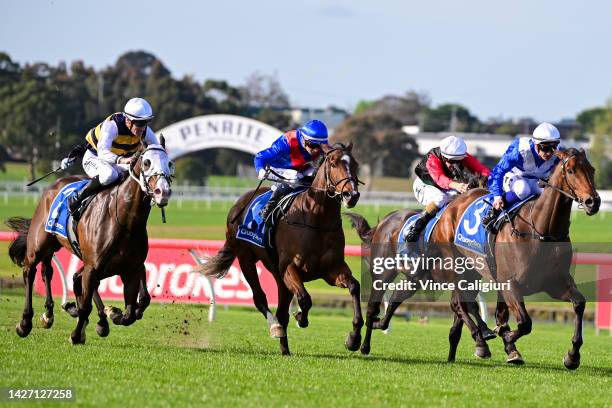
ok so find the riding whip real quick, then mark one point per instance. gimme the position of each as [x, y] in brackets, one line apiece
[46, 175]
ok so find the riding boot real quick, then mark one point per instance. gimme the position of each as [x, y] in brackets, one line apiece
[272, 202]
[488, 220]
[420, 223]
[75, 201]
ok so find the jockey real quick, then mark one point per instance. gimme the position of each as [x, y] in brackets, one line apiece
[440, 177]
[109, 146]
[291, 156]
[516, 175]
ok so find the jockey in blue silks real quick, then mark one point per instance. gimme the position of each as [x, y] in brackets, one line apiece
[291, 156]
[516, 176]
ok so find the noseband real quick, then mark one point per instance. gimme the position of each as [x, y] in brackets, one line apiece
[331, 186]
[142, 180]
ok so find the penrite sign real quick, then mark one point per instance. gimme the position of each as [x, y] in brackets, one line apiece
[215, 131]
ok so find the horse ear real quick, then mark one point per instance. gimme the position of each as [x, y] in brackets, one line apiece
[561, 154]
[350, 147]
[162, 140]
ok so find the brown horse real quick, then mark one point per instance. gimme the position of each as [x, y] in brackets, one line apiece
[308, 245]
[112, 236]
[532, 253]
[382, 241]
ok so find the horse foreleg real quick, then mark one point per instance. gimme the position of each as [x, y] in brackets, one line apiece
[375, 300]
[24, 327]
[454, 336]
[131, 285]
[88, 285]
[46, 319]
[144, 299]
[397, 298]
[461, 310]
[343, 278]
[514, 302]
[294, 283]
[282, 314]
[474, 310]
[572, 358]
[102, 327]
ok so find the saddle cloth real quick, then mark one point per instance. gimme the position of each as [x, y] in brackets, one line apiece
[256, 230]
[402, 247]
[57, 221]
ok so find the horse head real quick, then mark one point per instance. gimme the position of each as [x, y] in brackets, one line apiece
[340, 171]
[155, 172]
[575, 177]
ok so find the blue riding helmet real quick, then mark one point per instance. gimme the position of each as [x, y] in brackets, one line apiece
[314, 131]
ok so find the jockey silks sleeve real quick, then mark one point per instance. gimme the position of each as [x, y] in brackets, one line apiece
[270, 156]
[509, 160]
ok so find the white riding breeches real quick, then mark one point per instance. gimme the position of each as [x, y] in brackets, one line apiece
[107, 172]
[521, 186]
[426, 194]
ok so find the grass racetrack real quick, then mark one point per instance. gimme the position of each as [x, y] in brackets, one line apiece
[174, 356]
[233, 362]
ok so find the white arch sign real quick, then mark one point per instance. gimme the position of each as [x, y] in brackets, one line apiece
[214, 131]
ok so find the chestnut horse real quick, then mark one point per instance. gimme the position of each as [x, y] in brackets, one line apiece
[112, 236]
[533, 252]
[308, 245]
[382, 240]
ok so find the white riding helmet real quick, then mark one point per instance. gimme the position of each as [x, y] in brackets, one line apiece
[546, 133]
[453, 148]
[138, 109]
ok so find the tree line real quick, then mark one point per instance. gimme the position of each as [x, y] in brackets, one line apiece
[46, 109]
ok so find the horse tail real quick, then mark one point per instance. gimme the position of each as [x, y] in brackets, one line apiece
[218, 265]
[361, 225]
[17, 249]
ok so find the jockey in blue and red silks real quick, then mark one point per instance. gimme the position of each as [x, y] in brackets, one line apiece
[516, 176]
[291, 156]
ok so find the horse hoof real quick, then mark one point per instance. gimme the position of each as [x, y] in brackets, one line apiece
[277, 331]
[138, 314]
[488, 334]
[301, 322]
[365, 349]
[45, 321]
[76, 339]
[102, 330]
[23, 329]
[71, 309]
[353, 341]
[482, 352]
[113, 313]
[570, 363]
[515, 358]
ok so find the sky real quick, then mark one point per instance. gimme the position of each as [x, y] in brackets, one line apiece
[523, 58]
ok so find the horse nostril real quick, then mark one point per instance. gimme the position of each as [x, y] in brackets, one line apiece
[157, 191]
[589, 202]
[346, 194]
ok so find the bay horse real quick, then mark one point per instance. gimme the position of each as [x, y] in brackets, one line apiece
[533, 252]
[112, 236]
[308, 245]
[382, 241]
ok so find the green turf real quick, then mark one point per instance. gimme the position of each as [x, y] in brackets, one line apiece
[233, 362]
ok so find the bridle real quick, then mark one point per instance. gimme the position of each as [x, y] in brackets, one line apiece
[331, 186]
[572, 194]
[142, 179]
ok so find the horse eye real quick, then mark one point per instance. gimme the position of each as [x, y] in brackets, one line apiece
[147, 164]
[570, 171]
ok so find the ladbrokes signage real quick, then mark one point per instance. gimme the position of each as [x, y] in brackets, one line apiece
[170, 277]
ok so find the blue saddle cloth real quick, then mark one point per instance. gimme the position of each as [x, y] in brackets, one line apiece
[470, 234]
[402, 248]
[57, 221]
[253, 228]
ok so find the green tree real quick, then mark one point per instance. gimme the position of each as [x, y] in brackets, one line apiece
[600, 153]
[450, 118]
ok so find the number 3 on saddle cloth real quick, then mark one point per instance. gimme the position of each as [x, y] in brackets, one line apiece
[60, 222]
[256, 230]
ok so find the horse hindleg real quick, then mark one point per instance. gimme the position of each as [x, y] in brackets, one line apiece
[24, 327]
[88, 286]
[144, 299]
[102, 327]
[294, 283]
[282, 314]
[474, 310]
[572, 358]
[398, 297]
[46, 318]
[461, 310]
